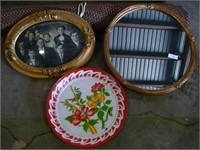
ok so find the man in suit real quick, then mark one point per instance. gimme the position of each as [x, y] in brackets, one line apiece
[76, 39]
[46, 53]
[62, 38]
[33, 59]
[77, 44]
[22, 52]
[48, 41]
[30, 41]
[62, 56]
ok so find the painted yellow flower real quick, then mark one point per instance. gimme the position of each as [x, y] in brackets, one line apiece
[95, 100]
[100, 97]
[91, 103]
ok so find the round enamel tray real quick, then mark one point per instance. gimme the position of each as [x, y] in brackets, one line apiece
[86, 107]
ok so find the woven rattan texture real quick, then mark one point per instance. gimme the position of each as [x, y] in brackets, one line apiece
[98, 14]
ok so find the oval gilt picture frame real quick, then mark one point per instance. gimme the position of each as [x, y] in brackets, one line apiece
[47, 44]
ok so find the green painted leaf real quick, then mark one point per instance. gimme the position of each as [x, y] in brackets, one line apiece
[88, 97]
[110, 110]
[102, 90]
[71, 109]
[78, 96]
[83, 102]
[96, 109]
[68, 118]
[110, 114]
[95, 93]
[98, 103]
[93, 122]
[76, 89]
[108, 102]
[85, 127]
[106, 93]
[104, 107]
[100, 115]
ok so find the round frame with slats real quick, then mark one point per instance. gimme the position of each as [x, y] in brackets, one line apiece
[185, 27]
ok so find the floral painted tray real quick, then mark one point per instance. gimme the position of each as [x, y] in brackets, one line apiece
[86, 108]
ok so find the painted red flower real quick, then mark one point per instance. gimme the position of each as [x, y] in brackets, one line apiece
[75, 120]
[97, 87]
[78, 115]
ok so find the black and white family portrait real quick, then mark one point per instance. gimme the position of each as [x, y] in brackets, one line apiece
[49, 44]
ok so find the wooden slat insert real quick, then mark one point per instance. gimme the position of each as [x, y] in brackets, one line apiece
[147, 26]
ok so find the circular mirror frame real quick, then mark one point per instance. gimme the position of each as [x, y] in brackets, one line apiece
[185, 27]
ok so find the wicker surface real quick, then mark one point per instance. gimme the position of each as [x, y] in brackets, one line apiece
[98, 14]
